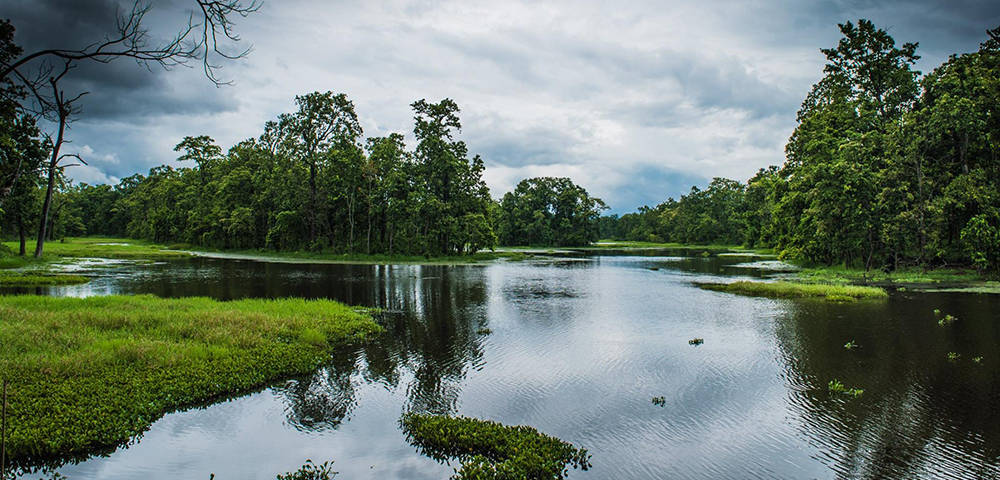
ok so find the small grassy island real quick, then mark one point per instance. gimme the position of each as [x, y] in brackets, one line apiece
[798, 290]
[17, 279]
[90, 373]
[491, 450]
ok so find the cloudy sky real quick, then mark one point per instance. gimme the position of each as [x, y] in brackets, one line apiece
[636, 100]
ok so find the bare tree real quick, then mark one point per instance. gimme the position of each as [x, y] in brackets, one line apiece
[208, 34]
[201, 39]
[63, 107]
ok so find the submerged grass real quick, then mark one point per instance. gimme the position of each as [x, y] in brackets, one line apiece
[9, 279]
[87, 374]
[491, 450]
[797, 290]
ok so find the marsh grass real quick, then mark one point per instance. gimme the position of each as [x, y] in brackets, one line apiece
[491, 450]
[481, 257]
[797, 290]
[17, 279]
[88, 374]
[842, 275]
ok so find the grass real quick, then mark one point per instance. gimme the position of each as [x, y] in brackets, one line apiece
[361, 258]
[797, 290]
[89, 374]
[100, 247]
[843, 275]
[491, 450]
[11, 279]
[125, 248]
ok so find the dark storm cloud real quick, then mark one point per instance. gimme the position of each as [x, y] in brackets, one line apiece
[122, 90]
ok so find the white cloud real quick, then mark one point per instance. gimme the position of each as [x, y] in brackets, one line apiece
[674, 92]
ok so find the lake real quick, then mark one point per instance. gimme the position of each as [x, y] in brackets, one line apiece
[578, 348]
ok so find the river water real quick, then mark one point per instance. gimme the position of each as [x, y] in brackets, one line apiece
[579, 347]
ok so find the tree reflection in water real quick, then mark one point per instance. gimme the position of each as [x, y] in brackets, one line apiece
[921, 416]
[431, 321]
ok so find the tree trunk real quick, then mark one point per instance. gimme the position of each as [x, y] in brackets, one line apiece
[21, 236]
[312, 203]
[53, 165]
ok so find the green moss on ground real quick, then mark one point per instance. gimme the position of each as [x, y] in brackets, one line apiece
[491, 450]
[87, 374]
[797, 290]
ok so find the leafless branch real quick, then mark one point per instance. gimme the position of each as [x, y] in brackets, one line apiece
[196, 41]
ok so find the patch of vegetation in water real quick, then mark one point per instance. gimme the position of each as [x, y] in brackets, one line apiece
[842, 275]
[89, 374]
[660, 401]
[484, 331]
[491, 450]
[311, 471]
[696, 341]
[954, 356]
[19, 279]
[797, 290]
[947, 320]
[984, 288]
[850, 345]
[836, 386]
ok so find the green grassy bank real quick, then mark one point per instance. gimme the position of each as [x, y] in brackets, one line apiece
[797, 290]
[87, 374]
[359, 258]
[100, 247]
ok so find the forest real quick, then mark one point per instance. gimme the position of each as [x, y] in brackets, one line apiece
[887, 168]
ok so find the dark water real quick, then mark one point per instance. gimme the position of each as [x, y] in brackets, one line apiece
[578, 350]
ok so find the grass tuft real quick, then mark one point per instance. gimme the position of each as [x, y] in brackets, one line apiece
[87, 374]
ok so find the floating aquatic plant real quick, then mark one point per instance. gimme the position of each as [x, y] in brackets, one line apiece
[978, 359]
[953, 356]
[659, 401]
[947, 320]
[491, 450]
[850, 345]
[696, 341]
[937, 312]
[484, 331]
[836, 386]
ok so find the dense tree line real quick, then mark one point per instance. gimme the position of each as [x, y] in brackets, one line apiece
[549, 211]
[310, 181]
[885, 168]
